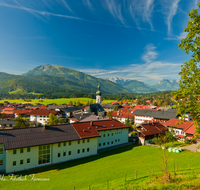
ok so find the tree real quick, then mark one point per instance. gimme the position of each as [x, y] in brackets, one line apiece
[70, 102]
[20, 122]
[115, 108]
[170, 135]
[189, 87]
[52, 120]
[109, 115]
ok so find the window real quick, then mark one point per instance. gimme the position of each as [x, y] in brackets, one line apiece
[70, 143]
[78, 141]
[69, 153]
[1, 149]
[1, 162]
[108, 135]
[88, 140]
[21, 162]
[15, 151]
[64, 153]
[58, 155]
[104, 144]
[99, 144]
[111, 142]
[58, 144]
[88, 149]
[108, 143]
[44, 154]
[118, 140]
[104, 135]
[64, 144]
[28, 161]
[14, 163]
[78, 151]
[21, 150]
[112, 134]
[28, 149]
[83, 140]
[83, 150]
[115, 140]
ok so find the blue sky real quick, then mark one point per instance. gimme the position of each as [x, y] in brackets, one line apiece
[133, 39]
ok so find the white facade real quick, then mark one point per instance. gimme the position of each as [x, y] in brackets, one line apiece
[33, 157]
[39, 118]
[141, 119]
[112, 138]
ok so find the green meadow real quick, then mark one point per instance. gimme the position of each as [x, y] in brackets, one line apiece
[111, 167]
[57, 101]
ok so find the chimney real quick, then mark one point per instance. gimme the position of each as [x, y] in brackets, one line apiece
[91, 123]
[83, 130]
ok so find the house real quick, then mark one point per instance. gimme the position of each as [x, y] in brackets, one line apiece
[123, 116]
[8, 110]
[42, 116]
[23, 113]
[110, 107]
[7, 124]
[149, 130]
[83, 117]
[148, 115]
[181, 128]
[27, 148]
[71, 110]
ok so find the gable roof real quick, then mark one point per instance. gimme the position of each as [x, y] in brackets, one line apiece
[97, 126]
[156, 114]
[176, 123]
[42, 112]
[35, 136]
[71, 109]
[152, 128]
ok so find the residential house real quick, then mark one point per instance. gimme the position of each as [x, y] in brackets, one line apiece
[148, 115]
[149, 130]
[182, 129]
[42, 116]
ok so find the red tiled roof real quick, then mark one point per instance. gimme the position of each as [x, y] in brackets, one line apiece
[8, 109]
[33, 108]
[123, 114]
[176, 123]
[152, 128]
[190, 129]
[22, 111]
[180, 136]
[85, 129]
[42, 112]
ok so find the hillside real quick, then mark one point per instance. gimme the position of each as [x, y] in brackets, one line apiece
[166, 84]
[75, 76]
[133, 85]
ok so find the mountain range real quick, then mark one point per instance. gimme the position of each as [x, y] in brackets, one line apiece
[53, 79]
[141, 87]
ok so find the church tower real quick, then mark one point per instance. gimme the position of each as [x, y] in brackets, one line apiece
[98, 95]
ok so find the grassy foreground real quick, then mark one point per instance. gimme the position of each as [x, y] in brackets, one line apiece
[96, 170]
[57, 101]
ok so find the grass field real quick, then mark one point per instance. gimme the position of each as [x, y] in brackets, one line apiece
[57, 101]
[111, 166]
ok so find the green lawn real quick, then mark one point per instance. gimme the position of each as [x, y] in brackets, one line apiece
[111, 166]
[57, 101]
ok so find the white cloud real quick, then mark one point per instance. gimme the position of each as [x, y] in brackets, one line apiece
[150, 53]
[88, 4]
[178, 37]
[66, 5]
[115, 9]
[141, 9]
[150, 72]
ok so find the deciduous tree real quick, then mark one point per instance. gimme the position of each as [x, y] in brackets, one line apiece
[189, 89]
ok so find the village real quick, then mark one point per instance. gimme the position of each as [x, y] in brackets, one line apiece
[39, 135]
